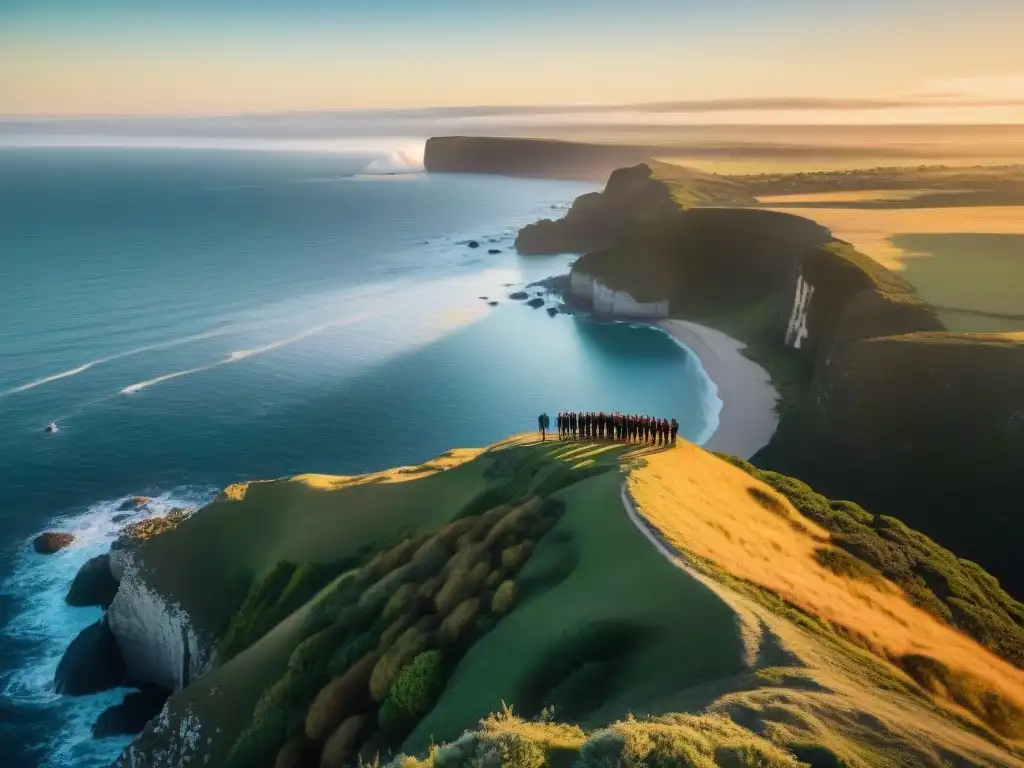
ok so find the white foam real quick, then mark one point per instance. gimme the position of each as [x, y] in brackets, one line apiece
[400, 161]
[120, 356]
[46, 625]
[244, 354]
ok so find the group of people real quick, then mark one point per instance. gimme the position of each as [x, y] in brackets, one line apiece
[623, 428]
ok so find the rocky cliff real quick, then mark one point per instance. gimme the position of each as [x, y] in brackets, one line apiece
[539, 158]
[705, 259]
[631, 196]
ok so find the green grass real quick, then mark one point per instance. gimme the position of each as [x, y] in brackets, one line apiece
[234, 542]
[593, 577]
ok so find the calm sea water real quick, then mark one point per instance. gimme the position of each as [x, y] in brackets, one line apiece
[191, 318]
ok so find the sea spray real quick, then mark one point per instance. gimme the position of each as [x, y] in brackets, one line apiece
[40, 625]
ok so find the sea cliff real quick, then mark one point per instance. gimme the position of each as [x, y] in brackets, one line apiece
[526, 157]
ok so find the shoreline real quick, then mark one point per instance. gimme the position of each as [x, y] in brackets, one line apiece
[747, 419]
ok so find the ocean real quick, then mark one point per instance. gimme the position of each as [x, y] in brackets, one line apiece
[196, 317]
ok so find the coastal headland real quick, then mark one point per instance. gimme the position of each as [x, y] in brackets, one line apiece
[797, 592]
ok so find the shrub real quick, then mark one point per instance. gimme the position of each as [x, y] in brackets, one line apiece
[460, 584]
[465, 558]
[408, 645]
[1004, 717]
[516, 521]
[394, 631]
[316, 650]
[459, 622]
[432, 555]
[340, 698]
[842, 563]
[294, 754]
[400, 601]
[512, 558]
[377, 595]
[351, 652]
[418, 684]
[504, 598]
[681, 740]
[342, 744]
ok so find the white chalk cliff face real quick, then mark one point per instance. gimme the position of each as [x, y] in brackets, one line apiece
[155, 635]
[797, 331]
[611, 302]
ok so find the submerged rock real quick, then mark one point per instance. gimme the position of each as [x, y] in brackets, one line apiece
[493, 251]
[92, 663]
[52, 541]
[473, 244]
[133, 503]
[492, 303]
[535, 303]
[94, 584]
[131, 715]
[552, 311]
[519, 295]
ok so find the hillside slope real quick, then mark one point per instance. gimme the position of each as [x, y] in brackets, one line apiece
[540, 588]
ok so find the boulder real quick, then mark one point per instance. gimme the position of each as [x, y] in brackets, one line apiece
[492, 303]
[131, 715]
[52, 541]
[493, 251]
[92, 663]
[133, 503]
[473, 244]
[519, 295]
[536, 303]
[94, 584]
[552, 311]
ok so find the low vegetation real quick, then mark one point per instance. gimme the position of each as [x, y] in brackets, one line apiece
[702, 741]
[957, 591]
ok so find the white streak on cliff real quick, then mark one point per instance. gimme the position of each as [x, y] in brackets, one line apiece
[797, 331]
[611, 302]
[155, 635]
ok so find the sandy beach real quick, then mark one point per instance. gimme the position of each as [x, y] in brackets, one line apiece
[748, 420]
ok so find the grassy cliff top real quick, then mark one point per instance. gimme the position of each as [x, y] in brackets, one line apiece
[644, 581]
[887, 283]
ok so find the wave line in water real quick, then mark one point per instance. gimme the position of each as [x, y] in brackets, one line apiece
[244, 354]
[119, 356]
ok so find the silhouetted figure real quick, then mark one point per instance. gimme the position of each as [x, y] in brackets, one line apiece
[542, 423]
[558, 424]
[674, 429]
[575, 424]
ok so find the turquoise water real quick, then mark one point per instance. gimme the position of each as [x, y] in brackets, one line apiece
[191, 318]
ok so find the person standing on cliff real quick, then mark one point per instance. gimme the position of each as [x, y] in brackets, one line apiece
[674, 428]
[542, 425]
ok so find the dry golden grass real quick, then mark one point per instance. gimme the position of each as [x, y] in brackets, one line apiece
[872, 230]
[849, 196]
[703, 505]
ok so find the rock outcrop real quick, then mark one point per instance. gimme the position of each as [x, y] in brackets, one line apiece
[598, 219]
[159, 643]
[538, 158]
[94, 584]
[703, 260]
[92, 663]
[601, 299]
[131, 715]
[52, 541]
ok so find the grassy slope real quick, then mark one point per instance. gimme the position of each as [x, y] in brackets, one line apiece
[678, 638]
[704, 508]
[308, 518]
[614, 577]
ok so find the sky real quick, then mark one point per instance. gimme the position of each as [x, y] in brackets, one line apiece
[686, 61]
